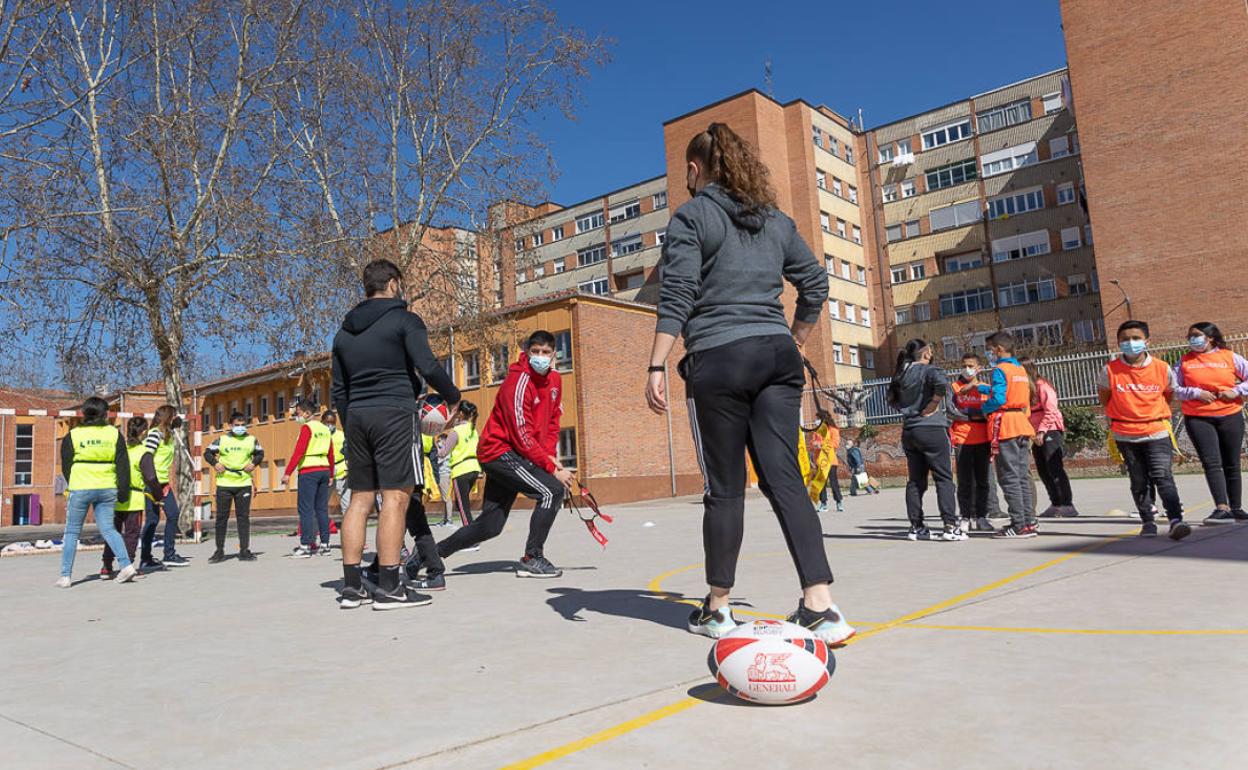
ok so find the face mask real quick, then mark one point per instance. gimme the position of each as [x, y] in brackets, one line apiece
[992, 358]
[332, 428]
[239, 430]
[1197, 342]
[969, 372]
[540, 364]
[1132, 348]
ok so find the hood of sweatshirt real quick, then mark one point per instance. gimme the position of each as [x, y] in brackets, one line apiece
[750, 220]
[367, 312]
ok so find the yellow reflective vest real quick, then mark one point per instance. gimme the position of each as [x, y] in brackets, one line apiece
[95, 457]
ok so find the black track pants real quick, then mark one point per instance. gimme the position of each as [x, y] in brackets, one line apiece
[240, 497]
[506, 478]
[1217, 441]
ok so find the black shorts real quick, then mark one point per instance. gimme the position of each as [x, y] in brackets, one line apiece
[383, 449]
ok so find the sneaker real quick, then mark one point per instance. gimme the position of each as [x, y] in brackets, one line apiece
[919, 533]
[821, 508]
[63, 582]
[712, 623]
[128, 573]
[1219, 516]
[1052, 512]
[324, 549]
[217, 557]
[401, 598]
[177, 560]
[430, 583]
[301, 552]
[1033, 528]
[840, 507]
[954, 532]
[1240, 515]
[982, 525]
[1148, 529]
[537, 567]
[1179, 529]
[152, 565]
[246, 556]
[107, 574]
[829, 625]
[470, 549]
[1010, 530]
[350, 598]
[1067, 512]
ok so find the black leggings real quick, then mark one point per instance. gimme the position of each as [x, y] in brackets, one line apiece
[973, 479]
[746, 395]
[1218, 441]
[1049, 464]
[927, 451]
[463, 496]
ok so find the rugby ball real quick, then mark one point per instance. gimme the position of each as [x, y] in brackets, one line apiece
[434, 415]
[771, 662]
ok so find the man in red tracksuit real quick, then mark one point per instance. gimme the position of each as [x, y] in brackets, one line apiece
[518, 451]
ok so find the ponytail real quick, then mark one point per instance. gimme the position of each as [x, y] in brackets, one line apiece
[906, 356]
[136, 427]
[732, 163]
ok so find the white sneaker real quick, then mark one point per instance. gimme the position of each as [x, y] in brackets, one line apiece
[128, 573]
[301, 552]
[954, 532]
[63, 582]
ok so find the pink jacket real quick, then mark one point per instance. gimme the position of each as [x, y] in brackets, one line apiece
[1045, 414]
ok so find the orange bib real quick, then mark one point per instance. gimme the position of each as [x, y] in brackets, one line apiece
[1138, 405]
[1213, 371]
[1015, 414]
[965, 431]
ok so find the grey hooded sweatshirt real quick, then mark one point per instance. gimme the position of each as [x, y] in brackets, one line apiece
[919, 383]
[723, 270]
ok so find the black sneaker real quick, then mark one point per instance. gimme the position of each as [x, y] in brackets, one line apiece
[152, 565]
[1011, 530]
[982, 525]
[177, 560]
[829, 625]
[1240, 515]
[217, 557]
[246, 556]
[107, 573]
[430, 583]
[1219, 516]
[919, 533]
[401, 598]
[537, 567]
[1148, 529]
[1179, 529]
[712, 623]
[350, 598]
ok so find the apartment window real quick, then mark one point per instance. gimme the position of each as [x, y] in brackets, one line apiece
[1059, 147]
[903, 148]
[825, 222]
[591, 255]
[851, 313]
[589, 222]
[626, 245]
[561, 264]
[597, 286]
[892, 233]
[868, 359]
[845, 270]
[918, 270]
[519, 244]
[899, 274]
[968, 301]
[957, 215]
[567, 447]
[907, 188]
[840, 227]
[1030, 244]
[499, 362]
[834, 309]
[862, 274]
[912, 313]
[472, 370]
[821, 179]
[24, 456]
[1026, 292]
[952, 173]
[853, 194]
[1000, 117]
[1016, 203]
[912, 228]
[1087, 233]
[538, 239]
[1070, 238]
[853, 355]
[816, 136]
[1089, 330]
[849, 155]
[660, 237]
[1052, 102]
[660, 200]
[959, 262]
[833, 146]
[539, 271]
[952, 132]
[557, 233]
[866, 317]
[857, 234]
[563, 351]
[886, 153]
[1077, 285]
[1040, 335]
[280, 411]
[1065, 193]
[1010, 158]
[837, 356]
[623, 211]
[889, 192]
[836, 186]
[630, 281]
[522, 275]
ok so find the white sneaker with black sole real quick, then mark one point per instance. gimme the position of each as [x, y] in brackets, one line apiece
[954, 532]
[401, 598]
[301, 552]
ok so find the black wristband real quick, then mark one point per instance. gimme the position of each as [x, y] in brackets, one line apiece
[654, 369]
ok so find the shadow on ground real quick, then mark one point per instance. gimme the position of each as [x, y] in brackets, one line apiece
[1226, 543]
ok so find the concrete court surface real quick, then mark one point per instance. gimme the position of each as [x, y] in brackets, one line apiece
[1085, 647]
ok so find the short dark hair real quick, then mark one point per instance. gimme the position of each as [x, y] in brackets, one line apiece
[970, 357]
[1003, 340]
[1132, 324]
[378, 273]
[94, 410]
[236, 416]
[540, 337]
[304, 405]
[328, 414]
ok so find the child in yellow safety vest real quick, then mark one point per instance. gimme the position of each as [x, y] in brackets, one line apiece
[158, 463]
[462, 459]
[128, 516]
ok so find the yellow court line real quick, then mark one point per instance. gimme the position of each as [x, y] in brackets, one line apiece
[1091, 631]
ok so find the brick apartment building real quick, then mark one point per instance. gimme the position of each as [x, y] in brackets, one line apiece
[1161, 90]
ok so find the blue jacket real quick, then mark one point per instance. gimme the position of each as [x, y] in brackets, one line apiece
[996, 391]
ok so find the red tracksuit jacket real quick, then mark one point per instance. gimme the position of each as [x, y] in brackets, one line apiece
[525, 417]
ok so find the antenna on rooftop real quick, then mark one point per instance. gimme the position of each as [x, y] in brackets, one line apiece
[767, 82]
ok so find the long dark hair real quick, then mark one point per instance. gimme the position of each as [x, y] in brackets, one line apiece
[136, 427]
[732, 163]
[94, 411]
[1033, 378]
[468, 412]
[906, 356]
[1211, 331]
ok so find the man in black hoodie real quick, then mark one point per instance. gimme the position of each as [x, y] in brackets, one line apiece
[379, 357]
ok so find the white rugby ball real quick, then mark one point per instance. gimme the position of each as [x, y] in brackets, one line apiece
[771, 662]
[434, 414]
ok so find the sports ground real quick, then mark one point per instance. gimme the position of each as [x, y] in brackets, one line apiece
[1085, 647]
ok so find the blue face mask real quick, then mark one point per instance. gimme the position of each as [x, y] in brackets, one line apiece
[1197, 342]
[540, 364]
[1132, 348]
[239, 430]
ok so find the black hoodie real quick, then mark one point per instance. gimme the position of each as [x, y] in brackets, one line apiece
[379, 353]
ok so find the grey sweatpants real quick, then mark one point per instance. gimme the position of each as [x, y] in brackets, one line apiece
[1014, 475]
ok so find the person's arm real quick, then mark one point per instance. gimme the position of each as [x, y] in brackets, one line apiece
[339, 389]
[67, 456]
[939, 385]
[147, 468]
[680, 269]
[1241, 372]
[151, 442]
[257, 455]
[416, 342]
[996, 392]
[1172, 385]
[803, 270]
[212, 455]
[1103, 393]
[296, 456]
[331, 459]
[121, 459]
[1187, 392]
[556, 416]
[955, 412]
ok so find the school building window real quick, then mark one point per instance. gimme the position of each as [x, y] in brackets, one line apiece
[563, 347]
[499, 362]
[264, 408]
[472, 370]
[281, 406]
[220, 417]
[247, 409]
[567, 447]
[24, 456]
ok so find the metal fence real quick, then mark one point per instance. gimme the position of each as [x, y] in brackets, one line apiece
[1073, 376]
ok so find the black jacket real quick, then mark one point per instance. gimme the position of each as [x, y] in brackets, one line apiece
[379, 357]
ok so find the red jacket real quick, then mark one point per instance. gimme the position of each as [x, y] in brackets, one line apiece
[525, 417]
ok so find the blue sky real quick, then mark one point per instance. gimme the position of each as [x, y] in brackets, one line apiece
[891, 59]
